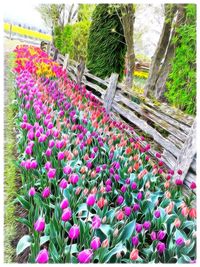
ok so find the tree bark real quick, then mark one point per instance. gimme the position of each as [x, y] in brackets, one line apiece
[128, 19]
[160, 85]
[161, 49]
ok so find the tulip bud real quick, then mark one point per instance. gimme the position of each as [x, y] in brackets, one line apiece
[66, 215]
[63, 184]
[96, 222]
[105, 243]
[118, 255]
[120, 215]
[32, 192]
[104, 219]
[64, 204]
[85, 256]
[42, 256]
[177, 223]
[95, 243]
[187, 242]
[74, 232]
[78, 190]
[46, 192]
[115, 233]
[39, 225]
[134, 254]
[91, 200]
[51, 173]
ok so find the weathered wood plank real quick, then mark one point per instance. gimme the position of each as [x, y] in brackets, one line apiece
[172, 112]
[146, 128]
[80, 71]
[193, 165]
[110, 92]
[168, 119]
[95, 87]
[189, 179]
[93, 77]
[176, 141]
[169, 158]
[187, 152]
[166, 126]
[66, 61]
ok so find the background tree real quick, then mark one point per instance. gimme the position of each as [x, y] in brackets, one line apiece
[85, 12]
[161, 49]
[127, 19]
[106, 43]
[181, 83]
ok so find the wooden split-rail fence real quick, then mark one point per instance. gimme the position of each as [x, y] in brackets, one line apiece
[168, 130]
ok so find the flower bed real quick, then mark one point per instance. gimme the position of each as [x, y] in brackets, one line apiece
[89, 189]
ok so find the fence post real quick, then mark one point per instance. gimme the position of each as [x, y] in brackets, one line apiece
[110, 92]
[187, 153]
[66, 60]
[48, 48]
[80, 71]
[55, 54]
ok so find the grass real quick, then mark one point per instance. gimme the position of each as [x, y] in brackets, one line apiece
[9, 163]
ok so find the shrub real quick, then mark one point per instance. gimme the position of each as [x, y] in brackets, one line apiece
[106, 43]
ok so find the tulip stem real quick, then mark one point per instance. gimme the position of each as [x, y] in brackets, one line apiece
[70, 250]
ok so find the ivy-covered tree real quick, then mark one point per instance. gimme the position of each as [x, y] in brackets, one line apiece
[106, 43]
[181, 84]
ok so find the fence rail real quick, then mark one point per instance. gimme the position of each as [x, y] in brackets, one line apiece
[168, 130]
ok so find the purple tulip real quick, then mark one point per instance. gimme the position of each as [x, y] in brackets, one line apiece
[139, 196]
[120, 200]
[46, 192]
[123, 188]
[96, 222]
[108, 182]
[51, 173]
[98, 169]
[47, 165]
[63, 184]
[146, 225]
[135, 241]
[95, 243]
[61, 155]
[66, 215]
[116, 177]
[108, 188]
[153, 236]
[161, 235]
[67, 170]
[133, 186]
[91, 200]
[138, 227]
[42, 256]
[39, 225]
[74, 178]
[51, 143]
[89, 165]
[136, 207]
[28, 150]
[32, 192]
[157, 214]
[160, 247]
[74, 232]
[64, 204]
[48, 152]
[179, 241]
[34, 164]
[85, 256]
[127, 211]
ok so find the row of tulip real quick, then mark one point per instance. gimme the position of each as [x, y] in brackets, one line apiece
[90, 191]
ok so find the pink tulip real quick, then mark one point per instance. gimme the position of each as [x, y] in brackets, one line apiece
[96, 222]
[91, 200]
[42, 256]
[61, 155]
[64, 204]
[48, 152]
[85, 256]
[95, 243]
[51, 173]
[46, 192]
[74, 178]
[39, 225]
[67, 170]
[66, 215]
[32, 192]
[74, 232]
[63, 184]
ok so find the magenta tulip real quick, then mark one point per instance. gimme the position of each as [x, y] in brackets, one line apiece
[42, 256]
[46, 192]
[66, 215]
[95, 243]
[85, 256]
[39, 225]
[64, 204]
[91, 200]
[74, 232]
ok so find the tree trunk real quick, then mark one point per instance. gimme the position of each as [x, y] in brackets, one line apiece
[161, 49]
[160, 85]
[128, 19]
